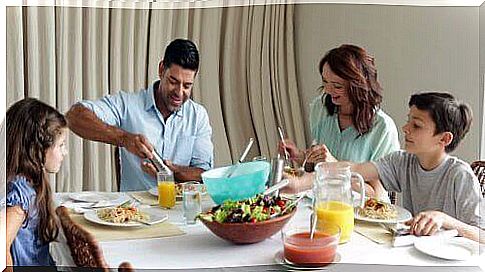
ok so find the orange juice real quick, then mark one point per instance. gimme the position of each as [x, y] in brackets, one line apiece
[338, 213]
[166, 194]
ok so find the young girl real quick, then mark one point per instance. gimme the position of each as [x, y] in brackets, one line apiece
[36, 135]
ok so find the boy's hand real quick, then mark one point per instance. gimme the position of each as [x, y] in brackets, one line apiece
[426, 223]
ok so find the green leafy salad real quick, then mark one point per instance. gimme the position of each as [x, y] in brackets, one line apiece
[255, 209]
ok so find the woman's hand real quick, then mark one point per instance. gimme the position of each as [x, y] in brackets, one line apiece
[427, 223]
[319, 153]
[290, 147]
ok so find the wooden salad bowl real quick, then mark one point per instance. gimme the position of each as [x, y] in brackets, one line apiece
[248, 233]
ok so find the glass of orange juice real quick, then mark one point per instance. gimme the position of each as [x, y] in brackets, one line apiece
[166, 190]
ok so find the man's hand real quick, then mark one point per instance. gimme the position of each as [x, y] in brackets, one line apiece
[319, 153]
[427, 223]
[137, 144]
[149, 168]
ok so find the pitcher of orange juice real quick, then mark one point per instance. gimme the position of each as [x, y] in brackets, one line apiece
[333, 200]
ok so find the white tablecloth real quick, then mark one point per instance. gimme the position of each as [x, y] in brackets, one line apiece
[200, 248]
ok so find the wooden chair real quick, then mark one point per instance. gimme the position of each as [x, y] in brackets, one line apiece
[393, 197]
[117, 167]
[479, 170]
[85, 250]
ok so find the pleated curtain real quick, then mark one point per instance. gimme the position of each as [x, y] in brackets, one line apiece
[247, 77]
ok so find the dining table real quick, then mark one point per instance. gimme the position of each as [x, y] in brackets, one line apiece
[199, 249]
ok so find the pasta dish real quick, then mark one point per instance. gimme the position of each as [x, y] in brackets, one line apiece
[376, 209]
[121, 214]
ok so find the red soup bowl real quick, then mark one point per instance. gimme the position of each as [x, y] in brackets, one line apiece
[302, 250]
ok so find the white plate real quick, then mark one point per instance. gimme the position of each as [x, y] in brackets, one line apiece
[280, 259]
[94, 196]
[153, 191]
[403, 215]
[455, 248]
[156, 217]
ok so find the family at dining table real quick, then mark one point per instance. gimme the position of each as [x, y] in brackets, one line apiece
[346, 121]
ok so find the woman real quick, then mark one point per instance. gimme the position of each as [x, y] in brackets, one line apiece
[346, 121]
[36, 135]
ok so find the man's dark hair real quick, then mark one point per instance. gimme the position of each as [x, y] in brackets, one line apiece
[448, 114]
[181, 52]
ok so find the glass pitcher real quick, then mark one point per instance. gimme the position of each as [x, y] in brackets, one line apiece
[333, 200]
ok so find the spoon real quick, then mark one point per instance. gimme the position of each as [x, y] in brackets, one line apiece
[277, 186]
[314, 225]
[307, 154]
[241, 159]
[283, 141]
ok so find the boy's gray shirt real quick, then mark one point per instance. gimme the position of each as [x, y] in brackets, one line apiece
[452, 187]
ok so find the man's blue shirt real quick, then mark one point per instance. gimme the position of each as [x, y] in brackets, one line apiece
[184, 138]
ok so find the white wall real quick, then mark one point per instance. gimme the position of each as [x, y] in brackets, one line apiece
[416, 48]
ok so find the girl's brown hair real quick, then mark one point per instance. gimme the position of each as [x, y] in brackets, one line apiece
[32, 128]
[356, 66]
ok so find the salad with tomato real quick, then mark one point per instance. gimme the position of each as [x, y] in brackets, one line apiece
[255, 209]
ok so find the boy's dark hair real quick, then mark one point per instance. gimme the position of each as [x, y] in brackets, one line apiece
[448, 114]
[182, 52]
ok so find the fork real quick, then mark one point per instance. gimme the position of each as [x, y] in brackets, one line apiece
[395, 231]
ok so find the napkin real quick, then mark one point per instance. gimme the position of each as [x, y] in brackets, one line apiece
[82, 207]
[373, 231]
[145, 198]
[408, 240]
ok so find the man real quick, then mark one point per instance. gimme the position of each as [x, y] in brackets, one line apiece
[161, 118]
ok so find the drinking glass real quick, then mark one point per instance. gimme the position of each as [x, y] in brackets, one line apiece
[191, 193]
[166, 190]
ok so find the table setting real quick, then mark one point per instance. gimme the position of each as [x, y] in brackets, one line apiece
[347, 235]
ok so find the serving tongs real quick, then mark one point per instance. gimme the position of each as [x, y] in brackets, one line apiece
[157, 161]
[241, 159]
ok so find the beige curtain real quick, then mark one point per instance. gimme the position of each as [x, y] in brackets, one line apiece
[246, 79]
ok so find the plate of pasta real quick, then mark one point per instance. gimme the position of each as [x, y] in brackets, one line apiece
[125, 216]
[381, 212]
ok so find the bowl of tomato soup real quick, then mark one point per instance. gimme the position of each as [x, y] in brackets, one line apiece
[300, 249]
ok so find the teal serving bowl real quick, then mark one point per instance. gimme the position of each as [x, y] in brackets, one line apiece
[248, 180]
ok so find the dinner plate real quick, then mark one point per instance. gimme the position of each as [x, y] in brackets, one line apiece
[280, 259]
[454, 248]
[155, 218]
[403, 215]
[94, 196]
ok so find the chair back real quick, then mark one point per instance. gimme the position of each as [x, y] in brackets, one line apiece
[85, 250]
[393, 197]
[479, 170]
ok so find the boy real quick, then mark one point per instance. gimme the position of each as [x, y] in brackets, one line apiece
[441, 191]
